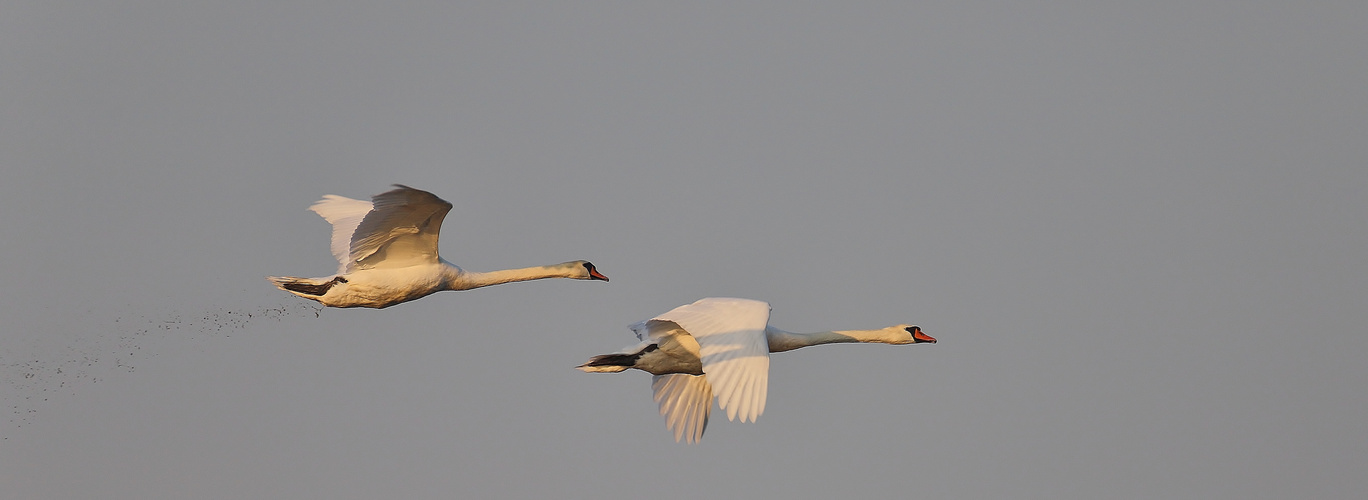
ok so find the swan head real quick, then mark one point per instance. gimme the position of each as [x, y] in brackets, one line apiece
[912, 334]
[584, 270]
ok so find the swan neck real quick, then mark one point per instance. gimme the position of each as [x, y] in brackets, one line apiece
[780, 340]
[468, 279]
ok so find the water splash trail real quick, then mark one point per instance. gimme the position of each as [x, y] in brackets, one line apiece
[30, 379]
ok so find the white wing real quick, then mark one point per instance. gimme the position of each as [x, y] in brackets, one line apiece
[685, 402]
[344, 214]
[733, 348]
[401, 230]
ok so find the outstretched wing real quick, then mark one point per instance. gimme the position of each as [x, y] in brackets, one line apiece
[344, 214]
[401, 230]
[685, 402]
[735, 354]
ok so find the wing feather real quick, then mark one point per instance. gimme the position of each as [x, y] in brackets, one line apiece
[401, 230]
[685, 402]
[734, 351]
[345, 215]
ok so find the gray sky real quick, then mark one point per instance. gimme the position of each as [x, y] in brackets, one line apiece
[1138, 231]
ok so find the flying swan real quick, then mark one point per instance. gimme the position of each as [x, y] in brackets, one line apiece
[721, 346]
[387, 254]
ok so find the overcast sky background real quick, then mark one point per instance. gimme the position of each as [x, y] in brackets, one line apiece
[1137, 229]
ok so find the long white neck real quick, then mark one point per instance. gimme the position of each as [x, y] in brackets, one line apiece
[465, 280]
[780, 340]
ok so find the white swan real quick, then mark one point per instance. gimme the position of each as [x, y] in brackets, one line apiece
[387, 251]
[721, 346]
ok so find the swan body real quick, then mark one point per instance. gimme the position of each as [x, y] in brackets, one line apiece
[386, 250]
[721, 347]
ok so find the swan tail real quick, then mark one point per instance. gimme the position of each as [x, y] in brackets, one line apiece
[309, 288]
[609, 363]
[618, 361]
